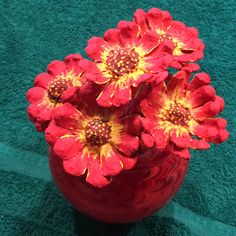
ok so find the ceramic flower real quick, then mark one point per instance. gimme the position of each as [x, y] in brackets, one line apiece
[187, 45]
[101, 116]
[122, 60]
[179, 115]
[51, 88]
[96, 143]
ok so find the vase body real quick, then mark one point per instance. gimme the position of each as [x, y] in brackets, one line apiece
[132, 195]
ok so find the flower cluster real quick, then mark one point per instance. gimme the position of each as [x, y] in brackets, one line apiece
[98, 115]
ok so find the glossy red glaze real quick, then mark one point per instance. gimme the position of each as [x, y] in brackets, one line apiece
[131, 196]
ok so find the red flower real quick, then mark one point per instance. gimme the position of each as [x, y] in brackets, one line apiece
[52, 88]
[123, 59]
[97, 144]
[187, 46]
[176, 112]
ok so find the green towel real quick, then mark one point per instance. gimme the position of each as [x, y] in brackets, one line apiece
[32, 34]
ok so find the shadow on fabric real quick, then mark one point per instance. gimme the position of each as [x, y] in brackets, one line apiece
[86, 226]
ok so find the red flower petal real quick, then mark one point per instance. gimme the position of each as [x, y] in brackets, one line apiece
[158, 65]
[32, 114]
[140, 19]
[199, 80]
[199, 144]
[33, 111]
[72, 63]
[105, 97]
[145, 77]
[94, 175]
[126, 24]
[165, 47]
[202, 95]
[148, 124]
[213, 130]
[176, 84]
[157, 97]
[184, 152]
[41, 126]
[128, 144]
[110, 161]
[129, 32]
[88, 66]
[212, 134]
[186, 71]
[54, 132]
[70, 95]
[160, 58]
[149, 42]
[190, 67]
[88, 94]
[92, 73]
[112, 35]
[205, 131]
[97, 78]
[190, 55]
[158, 19]
[147, 140]
[147, 110]
[40, 112]
[56, 68]
[77, 165]
[35, 94]
[128, 163]
[67, 148]
[121, 95]
[45, 113]
[209, 110]
[223, 136]
[72, 58]
[133, 125]
[218, 122]
[160, 139]
[68, 117]
[176, 28]
[160, 77]
[192, 48]
[221, 102]
[42, 80]
[181, 141]
[95, 48]
[115, 95]
[176, 65]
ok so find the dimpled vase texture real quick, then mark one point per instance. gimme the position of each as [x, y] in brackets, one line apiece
[132, 195]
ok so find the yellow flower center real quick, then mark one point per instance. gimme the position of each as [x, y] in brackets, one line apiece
[178, 45]
[57, 87]
[97, 132]
[60, 84]
[177, 114]
[123, 65]
[122, 61]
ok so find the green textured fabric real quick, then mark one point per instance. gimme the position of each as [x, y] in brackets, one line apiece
[33, 33]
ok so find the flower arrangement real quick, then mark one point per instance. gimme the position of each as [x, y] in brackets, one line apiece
[99, 115]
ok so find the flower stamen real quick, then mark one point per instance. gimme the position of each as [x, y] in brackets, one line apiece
[56, 89]
[97, 132]
[178, 45]
[178, 114]
[122, 61]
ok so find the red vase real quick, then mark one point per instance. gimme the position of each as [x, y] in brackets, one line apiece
[132, 195]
